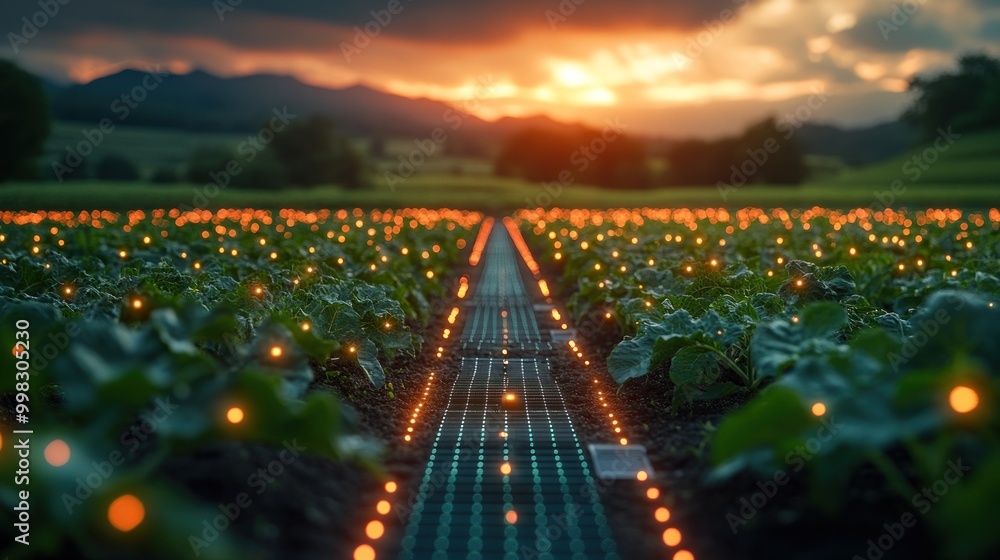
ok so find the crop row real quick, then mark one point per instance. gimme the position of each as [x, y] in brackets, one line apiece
[885, 321]
[155, 334]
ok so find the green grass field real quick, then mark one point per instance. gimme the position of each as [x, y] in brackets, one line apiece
[967, 174]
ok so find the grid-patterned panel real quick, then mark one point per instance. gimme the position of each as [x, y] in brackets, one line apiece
[468, 505]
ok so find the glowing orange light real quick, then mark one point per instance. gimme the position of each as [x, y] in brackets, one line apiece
[235, 415]
[963, 399]
[505, 468]
[641, 476]
[653, 493]
[662, 514]
[383, 507]
[391, 487]
[511, 517]
[374, 530]
[126, 513]
[683, 555]
[819, 409]
[364, 552]
[57, 453]
[276, 351]
[671, 537]
[137, 304]
[543, 287]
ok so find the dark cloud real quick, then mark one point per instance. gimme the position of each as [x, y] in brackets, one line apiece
[428, 20]
[990, 30]
[891, 30]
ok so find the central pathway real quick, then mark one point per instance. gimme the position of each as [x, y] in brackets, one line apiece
[507, 476]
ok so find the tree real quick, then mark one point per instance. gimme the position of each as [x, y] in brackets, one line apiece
[24, 119]
[761, 154]
[264, 172]
[209, 160]
[785, 163]
[535, 155]
[588, 156]
[115, 167]
[967, 100]
[313, 154]
[164, 176]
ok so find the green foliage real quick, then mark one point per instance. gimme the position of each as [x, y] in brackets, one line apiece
[165, 175]
[763, 153]
[207, 160]
[967, 100]
[613, 160]
[846, 331]
[313, 154]
[115, 167]
[170, 337]
[25, 120]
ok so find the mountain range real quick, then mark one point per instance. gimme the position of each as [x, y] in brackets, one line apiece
[199, 101]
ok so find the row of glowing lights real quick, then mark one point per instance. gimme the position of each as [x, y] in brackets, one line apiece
[574, 234]
[918, 263]
[99, 218]
[375, 528]
[699, 240]
[866, 218]
[273, 255]
[258, 291]
[671, 536]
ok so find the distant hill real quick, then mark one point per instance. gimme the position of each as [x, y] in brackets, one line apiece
[199, 101]
[860, 146]
[202, 102]
[972, 159]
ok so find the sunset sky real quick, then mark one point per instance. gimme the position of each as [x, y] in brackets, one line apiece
[664, 66]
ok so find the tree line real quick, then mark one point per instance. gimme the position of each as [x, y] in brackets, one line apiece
[310, 152]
